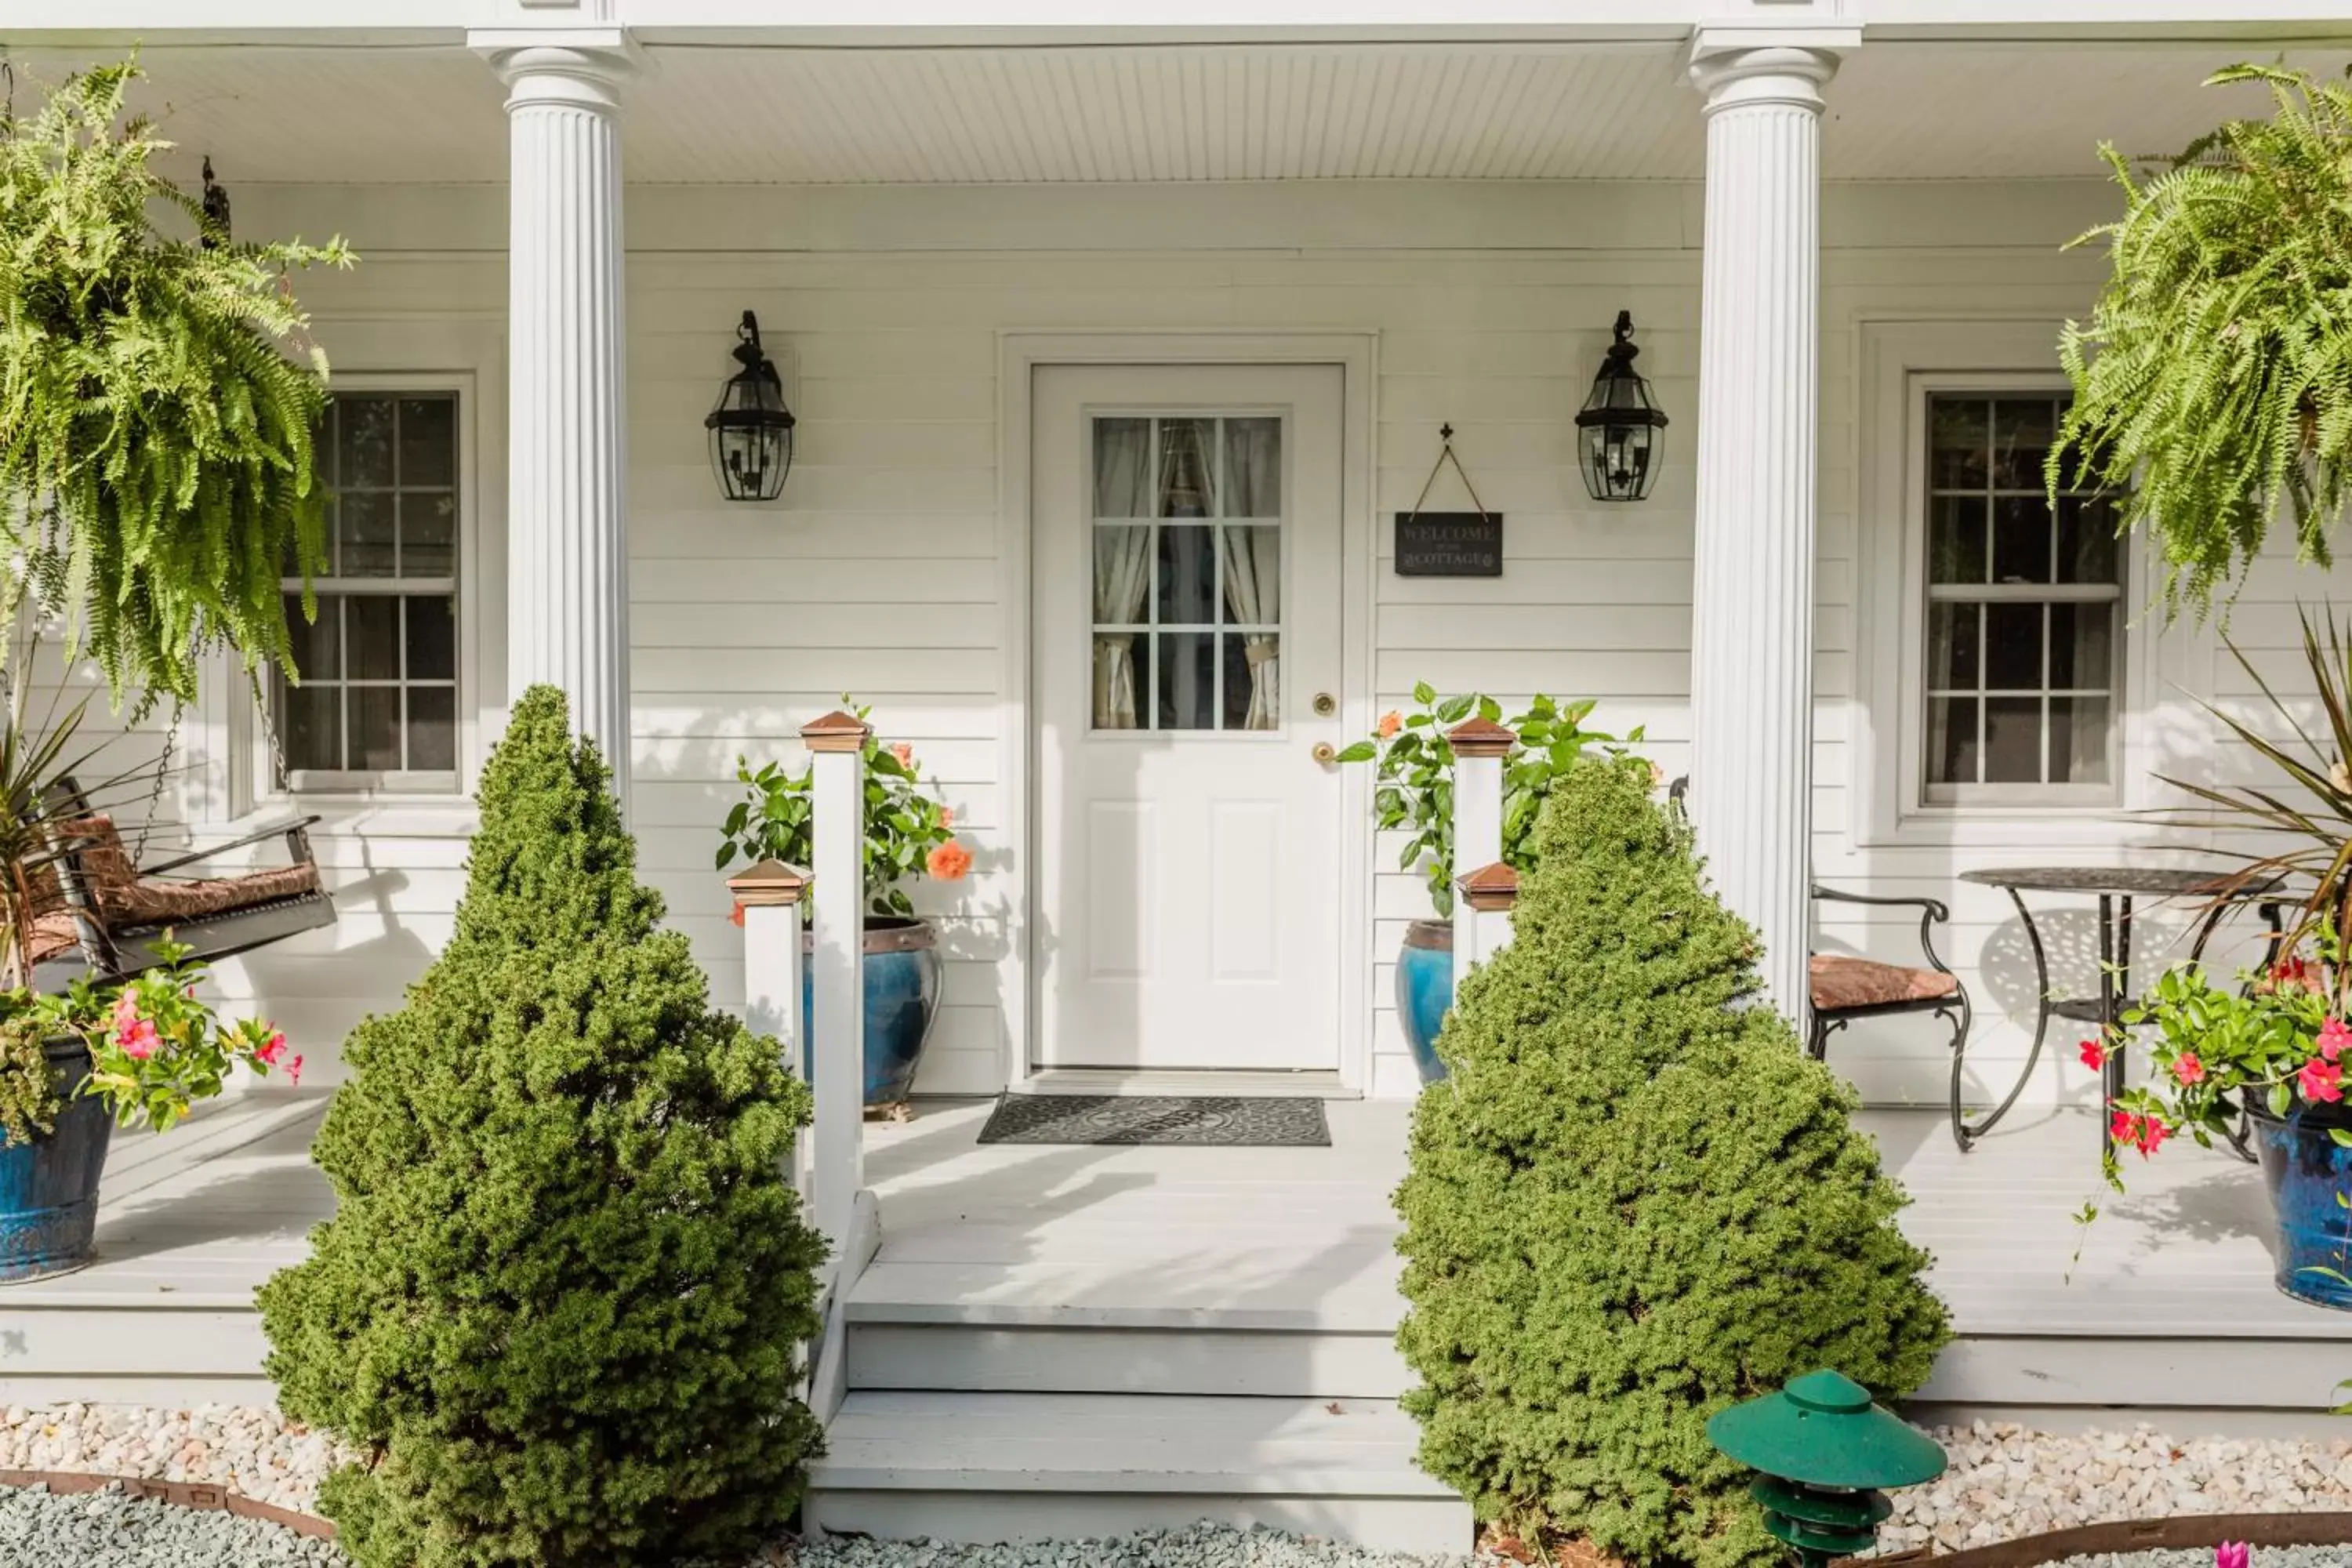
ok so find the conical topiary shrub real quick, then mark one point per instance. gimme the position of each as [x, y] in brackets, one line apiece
[1634, 1201]
[563, 1295]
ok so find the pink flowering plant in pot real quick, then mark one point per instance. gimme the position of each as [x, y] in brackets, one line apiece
[2264, 1061]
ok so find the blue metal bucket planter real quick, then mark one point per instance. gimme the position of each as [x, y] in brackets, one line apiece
[1424, 990]
[901, 979]
[2306, 1170]
[48, 1188]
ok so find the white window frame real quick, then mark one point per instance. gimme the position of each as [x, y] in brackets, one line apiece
[347, 786]
[1902, 361]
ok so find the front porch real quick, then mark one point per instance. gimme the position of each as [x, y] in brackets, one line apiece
[1055, 1340]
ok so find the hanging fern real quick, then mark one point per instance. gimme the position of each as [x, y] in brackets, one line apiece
[2213, 382]
[155, 434]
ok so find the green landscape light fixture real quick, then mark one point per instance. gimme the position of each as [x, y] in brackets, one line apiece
[750, 429]
[1618, 428]
[1825, 1455]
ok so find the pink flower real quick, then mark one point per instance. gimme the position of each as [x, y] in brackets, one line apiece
[2320, 1081]
[2187, 1069]
[949, 862]
[2095, 1055]
[735, 917]
[2233, 1554]
[126, 1014]
[1391, 722]
[947, 817]
[139, 1042]
[2333, 1037]
[294, 1071]
[2152, 1134]
[905, 754]
[2124, 1128]
[271, 1049]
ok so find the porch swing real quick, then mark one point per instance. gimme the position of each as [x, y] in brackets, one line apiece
[111, 914]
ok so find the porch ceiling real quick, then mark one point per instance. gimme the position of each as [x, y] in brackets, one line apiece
[986, 115]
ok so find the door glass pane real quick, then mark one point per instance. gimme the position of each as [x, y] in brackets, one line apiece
[1253, 467]
[1253, 575]
[1188, 576]
[1188, 467]
[1122, 468]
[1122, 574]
[1117, 681]
[1187, 677]
[1252, 680]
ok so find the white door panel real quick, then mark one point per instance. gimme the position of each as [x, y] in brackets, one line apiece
[1185, 564]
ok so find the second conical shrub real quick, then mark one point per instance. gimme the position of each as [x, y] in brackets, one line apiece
[562, 1300]
[1635, 1202]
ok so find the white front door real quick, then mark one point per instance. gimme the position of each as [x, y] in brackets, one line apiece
[1185, 563]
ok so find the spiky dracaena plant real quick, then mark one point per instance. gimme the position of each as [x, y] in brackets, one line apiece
[1634, 1201]
[2213, 380]
[561, 1300]
[155, 438]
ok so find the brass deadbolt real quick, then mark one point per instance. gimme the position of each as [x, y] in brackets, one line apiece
[1326, 705]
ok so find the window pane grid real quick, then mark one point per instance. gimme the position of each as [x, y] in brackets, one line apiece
[1179, 503]
[2023, 604]
[379, 668]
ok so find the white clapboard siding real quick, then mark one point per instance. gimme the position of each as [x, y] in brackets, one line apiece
[880, 571]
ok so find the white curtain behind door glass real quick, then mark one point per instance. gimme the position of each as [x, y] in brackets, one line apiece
[1253, 559]
[1122, 562]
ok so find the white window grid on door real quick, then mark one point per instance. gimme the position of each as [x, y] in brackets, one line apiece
[1148, 631]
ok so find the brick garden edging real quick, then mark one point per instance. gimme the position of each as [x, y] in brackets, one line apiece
[179, 1494]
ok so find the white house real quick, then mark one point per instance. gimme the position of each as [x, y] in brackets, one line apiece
[1021, 263]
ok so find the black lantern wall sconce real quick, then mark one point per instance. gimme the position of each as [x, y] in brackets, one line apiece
[750, 429]
[1618, 429]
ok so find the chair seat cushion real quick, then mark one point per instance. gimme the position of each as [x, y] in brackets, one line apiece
[1842, 982]
[162, 901]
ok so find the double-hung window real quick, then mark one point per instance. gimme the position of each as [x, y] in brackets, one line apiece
[2023, 665]
[376, 703]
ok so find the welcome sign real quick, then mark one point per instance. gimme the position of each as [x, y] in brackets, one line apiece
[1449, 544]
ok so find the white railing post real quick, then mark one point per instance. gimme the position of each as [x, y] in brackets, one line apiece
[1479, 747]
[837, 886]
[1488, 893]
[769, 894]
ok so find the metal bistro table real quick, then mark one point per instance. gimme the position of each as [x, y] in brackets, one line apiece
[2115, 888]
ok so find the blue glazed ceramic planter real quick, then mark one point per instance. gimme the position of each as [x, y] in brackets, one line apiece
[2304, 1170]
[1424, 990]
[901, 978]
[48, 1188]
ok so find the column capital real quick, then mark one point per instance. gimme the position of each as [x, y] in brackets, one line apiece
[1737, 66]
[575, 67]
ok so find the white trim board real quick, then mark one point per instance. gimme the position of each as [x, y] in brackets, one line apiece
[1019, 354]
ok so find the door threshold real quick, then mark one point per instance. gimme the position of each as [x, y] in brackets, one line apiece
[1172, 1081]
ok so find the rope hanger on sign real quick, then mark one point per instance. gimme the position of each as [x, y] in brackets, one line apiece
[1445, 456]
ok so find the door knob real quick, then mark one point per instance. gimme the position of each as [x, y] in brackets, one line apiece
[1326, 705]
[1325, 752]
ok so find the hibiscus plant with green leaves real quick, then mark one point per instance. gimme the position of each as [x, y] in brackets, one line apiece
[1414, 767]
[908, 833]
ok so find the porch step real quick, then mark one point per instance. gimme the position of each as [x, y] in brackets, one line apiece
[990, 1467]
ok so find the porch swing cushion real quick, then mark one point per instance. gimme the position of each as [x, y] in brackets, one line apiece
[1842, 983]
[124, 899]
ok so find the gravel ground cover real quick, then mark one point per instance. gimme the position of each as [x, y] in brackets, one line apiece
[2005, 1481]
[107, 1529]
[2008, 1482]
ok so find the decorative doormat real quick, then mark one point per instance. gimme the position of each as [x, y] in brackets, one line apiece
[1218, 1121]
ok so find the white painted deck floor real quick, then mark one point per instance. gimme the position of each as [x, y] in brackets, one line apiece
[2172, 1298]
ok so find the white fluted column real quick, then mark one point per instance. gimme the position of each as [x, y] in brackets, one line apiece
[1759, 384]
[567, 540]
